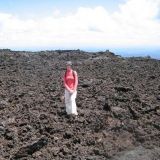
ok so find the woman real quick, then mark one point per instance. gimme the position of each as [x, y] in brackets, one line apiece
[70, 83]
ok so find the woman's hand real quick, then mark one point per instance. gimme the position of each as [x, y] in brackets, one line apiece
[71, 91]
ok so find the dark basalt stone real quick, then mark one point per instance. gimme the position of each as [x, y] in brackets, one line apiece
[117, 100]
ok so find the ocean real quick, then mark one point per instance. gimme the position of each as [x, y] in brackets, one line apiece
[131, 52]
[139, 52]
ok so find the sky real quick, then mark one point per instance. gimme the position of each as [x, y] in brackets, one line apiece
[83, 24]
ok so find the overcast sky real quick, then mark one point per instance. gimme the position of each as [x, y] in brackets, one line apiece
[71, 24]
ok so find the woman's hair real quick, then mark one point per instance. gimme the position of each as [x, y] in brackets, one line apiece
[69, 63]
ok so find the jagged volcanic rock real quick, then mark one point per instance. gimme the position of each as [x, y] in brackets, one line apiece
[118, 105]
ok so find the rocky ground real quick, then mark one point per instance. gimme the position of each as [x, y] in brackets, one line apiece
[118, 104]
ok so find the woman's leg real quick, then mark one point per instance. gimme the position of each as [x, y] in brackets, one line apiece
[68, 102]
[73, 103]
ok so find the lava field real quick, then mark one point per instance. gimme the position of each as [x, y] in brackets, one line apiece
[118, 104]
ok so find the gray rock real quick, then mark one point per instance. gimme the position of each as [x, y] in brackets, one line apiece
[3, 104]
[139, 153]
[31, 148]
[2, 130]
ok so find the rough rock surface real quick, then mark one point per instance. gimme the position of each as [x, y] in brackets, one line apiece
[118, 104]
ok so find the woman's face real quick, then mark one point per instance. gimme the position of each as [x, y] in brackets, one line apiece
[68, 67]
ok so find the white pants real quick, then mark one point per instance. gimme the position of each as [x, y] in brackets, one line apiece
[70, 102]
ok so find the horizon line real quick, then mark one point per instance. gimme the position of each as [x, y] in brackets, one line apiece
[123, 51]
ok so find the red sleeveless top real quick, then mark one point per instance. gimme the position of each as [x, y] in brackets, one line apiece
[70, 79]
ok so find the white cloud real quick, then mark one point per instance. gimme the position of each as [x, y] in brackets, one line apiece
[134, 24]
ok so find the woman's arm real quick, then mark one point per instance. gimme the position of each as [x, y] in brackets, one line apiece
[76, 80]
[66, 86]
